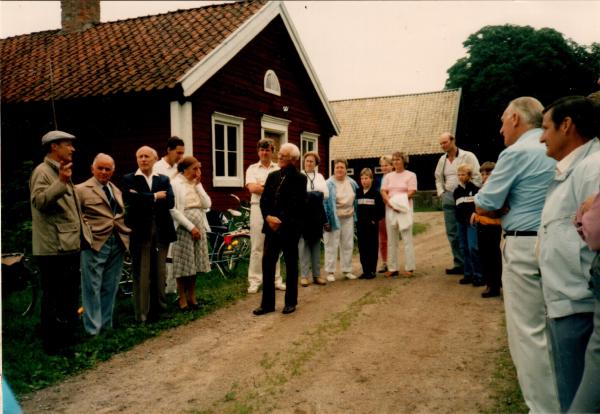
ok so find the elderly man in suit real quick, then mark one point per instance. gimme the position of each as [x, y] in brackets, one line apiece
[148, 198]
[282, 204]
[57, 234]
[101, 264]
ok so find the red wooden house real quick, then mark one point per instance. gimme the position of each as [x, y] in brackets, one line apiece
[220, 77]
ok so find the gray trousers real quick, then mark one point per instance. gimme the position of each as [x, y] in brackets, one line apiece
[449, 207]
[587, 398]
[310, 258]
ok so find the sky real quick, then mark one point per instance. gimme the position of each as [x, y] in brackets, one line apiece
[364, 48]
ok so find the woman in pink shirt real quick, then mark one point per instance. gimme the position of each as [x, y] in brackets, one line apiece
[398, 188]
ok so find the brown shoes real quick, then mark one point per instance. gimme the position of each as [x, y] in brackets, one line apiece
[389, 274]
[409, 273]
[319, 281]
[304, 282]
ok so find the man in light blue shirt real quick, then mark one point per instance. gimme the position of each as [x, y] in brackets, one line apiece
[569, 126]
[517, 186]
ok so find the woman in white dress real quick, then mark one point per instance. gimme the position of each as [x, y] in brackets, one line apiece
[190, 251]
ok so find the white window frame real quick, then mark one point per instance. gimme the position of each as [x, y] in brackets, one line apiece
[272, 76]
[276, 125]
[229, 120]
[308, 137]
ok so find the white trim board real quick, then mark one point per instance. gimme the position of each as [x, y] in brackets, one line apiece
[192, 80]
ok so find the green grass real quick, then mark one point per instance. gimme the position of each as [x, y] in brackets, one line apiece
[505, 387]
[28, 368]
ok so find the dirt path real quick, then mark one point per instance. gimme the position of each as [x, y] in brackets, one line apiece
[381, 346]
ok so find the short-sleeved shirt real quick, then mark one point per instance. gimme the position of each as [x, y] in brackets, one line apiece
[520, 180]
[399, 182]
[257, 174]
[163, 167]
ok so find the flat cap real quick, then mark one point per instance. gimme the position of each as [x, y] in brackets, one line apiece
[55, 136]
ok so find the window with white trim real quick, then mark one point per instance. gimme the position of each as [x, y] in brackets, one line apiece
[227, 150]
[271, 83]
[308, 142]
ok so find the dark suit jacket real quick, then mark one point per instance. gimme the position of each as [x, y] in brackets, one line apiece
[284, 197]
[141, 209]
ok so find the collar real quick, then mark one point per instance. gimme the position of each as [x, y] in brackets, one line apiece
[99, 184]
[139, 172]
[563, 165]
[52, 162]
[260, 165]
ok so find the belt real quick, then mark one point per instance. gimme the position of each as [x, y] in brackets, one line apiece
[520, 233]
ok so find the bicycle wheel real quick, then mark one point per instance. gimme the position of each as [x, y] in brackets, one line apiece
[20, 284]
[126, 283]
[233, 250]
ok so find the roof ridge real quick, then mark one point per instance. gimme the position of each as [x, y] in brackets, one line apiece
[208, 6]
[396, 96]
[226, 3]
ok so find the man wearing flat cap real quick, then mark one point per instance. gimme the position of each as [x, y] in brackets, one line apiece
[57, 236]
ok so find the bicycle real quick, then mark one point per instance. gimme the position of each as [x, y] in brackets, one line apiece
[20, 283]
[229, 238]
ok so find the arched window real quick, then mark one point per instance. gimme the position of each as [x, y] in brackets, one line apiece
[272, 83]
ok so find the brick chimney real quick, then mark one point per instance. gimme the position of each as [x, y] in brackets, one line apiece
[79, 15]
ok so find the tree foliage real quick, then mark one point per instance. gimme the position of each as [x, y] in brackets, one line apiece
[505, 62]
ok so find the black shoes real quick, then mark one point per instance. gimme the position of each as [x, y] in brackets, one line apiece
[466, 280]
[455, 271]
[261, 311]
[367, 276]
[288, 309]
[490, 293]
[478, 282]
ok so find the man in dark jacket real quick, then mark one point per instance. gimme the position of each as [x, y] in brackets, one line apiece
[148, 198]
[282, 204]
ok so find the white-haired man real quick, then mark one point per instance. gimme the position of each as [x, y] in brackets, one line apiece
[148, 197]
[282, 206]
[519, 184]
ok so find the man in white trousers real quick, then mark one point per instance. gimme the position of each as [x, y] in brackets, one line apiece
[256, 175]
[518, 185]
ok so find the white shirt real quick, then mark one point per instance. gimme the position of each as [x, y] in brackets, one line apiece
[564, 164]
[257, 174]
[148, 178]
[450, 175]
[163, 167]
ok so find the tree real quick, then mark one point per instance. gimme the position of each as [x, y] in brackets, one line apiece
[505, 62]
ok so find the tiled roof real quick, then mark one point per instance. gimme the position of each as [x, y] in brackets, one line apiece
[141, 54]
[372, 127]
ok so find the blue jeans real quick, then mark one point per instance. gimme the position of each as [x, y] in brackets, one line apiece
[100, 276]
[449, 207]
[569, 336]
[468, 242]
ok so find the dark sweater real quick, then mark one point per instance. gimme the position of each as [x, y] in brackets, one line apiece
[370, 206]
[465, 203]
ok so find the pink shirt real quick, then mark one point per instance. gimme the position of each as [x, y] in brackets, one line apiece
[396, 182]
[588, 224]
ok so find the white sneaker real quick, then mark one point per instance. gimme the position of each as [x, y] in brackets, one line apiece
[330, 277]
[280, 287]
[253, 289]
[349, 276]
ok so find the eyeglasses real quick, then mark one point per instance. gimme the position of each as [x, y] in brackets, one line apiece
[284, 157]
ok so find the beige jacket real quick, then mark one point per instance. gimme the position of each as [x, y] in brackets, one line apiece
[98, 214]
[57, 227]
